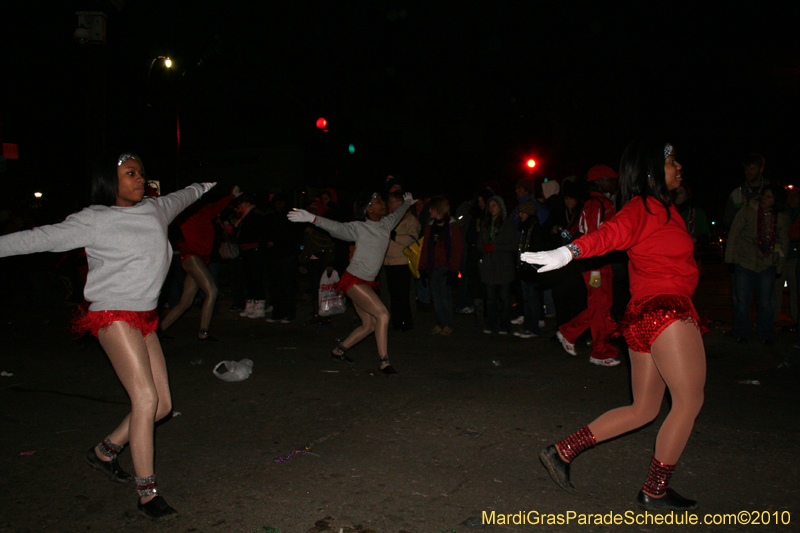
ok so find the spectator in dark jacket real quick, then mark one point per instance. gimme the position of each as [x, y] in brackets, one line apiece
[498, 240]
[281, 253]
[440, 259]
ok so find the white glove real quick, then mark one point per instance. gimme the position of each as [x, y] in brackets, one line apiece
[408, 198]
[300, 215]
[207, 186]
[236, 191]
[549, 260]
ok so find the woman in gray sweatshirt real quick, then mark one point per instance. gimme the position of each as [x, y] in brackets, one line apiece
[125, 237]
[358, 281]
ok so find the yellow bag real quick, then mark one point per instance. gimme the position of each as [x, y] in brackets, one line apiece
[412, 253]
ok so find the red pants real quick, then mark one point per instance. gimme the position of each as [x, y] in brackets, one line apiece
[596, 316]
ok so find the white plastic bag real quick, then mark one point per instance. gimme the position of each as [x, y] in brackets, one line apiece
[330, 302]
[237, 371]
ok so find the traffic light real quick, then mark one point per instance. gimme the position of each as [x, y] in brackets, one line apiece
[322, 124]
[531, 163]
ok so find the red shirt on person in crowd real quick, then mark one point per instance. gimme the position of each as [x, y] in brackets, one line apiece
[198, 232]
[661, 252]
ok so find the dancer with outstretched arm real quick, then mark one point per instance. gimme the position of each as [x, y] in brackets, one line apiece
[358, 281]
[125, 237]
[660, 325]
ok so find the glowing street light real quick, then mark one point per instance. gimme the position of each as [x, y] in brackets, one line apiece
[37, 195]
[531, 163]
[167, 64]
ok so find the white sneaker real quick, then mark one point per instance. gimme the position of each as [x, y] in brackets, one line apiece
[503, 332]
[611, 361]
[568, 346]
[258, 310]
[519, 320]
[487, 331]
[466, 310]
[526, 334]
[248, 308]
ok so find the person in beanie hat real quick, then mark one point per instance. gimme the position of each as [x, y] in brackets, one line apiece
[528, 206]
[525, 190]
[597, 210]
[530, 240]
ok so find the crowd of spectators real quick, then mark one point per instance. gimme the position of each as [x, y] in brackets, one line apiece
[469, 258]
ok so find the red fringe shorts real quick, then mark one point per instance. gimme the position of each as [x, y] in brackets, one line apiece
[94, 321]
[645, 319]
[348, 280]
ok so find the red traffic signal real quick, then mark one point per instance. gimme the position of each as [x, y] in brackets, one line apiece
[322, 123]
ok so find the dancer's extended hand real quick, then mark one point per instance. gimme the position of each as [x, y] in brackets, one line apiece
[300, 215]
[207, 186]
[407, 197]
[236, 191]
[549, 260]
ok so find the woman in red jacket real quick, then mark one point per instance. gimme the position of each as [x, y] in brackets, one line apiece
[198, 239]
[660, 325]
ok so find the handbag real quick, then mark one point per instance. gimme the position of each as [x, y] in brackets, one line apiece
[228, 250]
[412, 253]
[330, 302]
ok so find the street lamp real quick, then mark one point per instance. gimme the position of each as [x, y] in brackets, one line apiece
[167, 64]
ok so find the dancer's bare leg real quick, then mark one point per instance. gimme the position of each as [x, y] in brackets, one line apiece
[198, 270]
[368, 321]
[140, 366]
[190, 288]
[648, 394]
[680, 356]
[368, 304]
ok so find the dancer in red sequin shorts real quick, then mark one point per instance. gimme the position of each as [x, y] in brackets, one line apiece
[358, 281]
[125, 238]
[660, 325]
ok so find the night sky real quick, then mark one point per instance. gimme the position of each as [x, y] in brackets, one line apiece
[444, 94]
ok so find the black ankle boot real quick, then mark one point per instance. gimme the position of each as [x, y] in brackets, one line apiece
[557, 467]
[110, 468]
[158, 510]
[670, 501]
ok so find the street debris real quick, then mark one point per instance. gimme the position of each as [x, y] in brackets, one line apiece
[236, 371]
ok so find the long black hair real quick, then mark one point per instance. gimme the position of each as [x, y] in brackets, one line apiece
[641, 173]
[105, 183]
[779, 193]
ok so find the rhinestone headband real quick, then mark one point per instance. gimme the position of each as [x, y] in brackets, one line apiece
[371, 199]
[124, 157]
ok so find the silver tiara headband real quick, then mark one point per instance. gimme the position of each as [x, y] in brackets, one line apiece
[667, 151]
[371, 199]
[124, 157]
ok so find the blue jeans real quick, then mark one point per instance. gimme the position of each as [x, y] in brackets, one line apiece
[423, 290]
[763, 283]
[498, 301]
[442, 295]
[531, 305]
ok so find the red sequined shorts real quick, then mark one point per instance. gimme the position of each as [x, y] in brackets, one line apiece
[205, 258]
[93, 321]
[645, 319]
[348, 280]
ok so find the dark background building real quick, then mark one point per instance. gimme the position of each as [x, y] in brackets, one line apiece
[444, 94]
